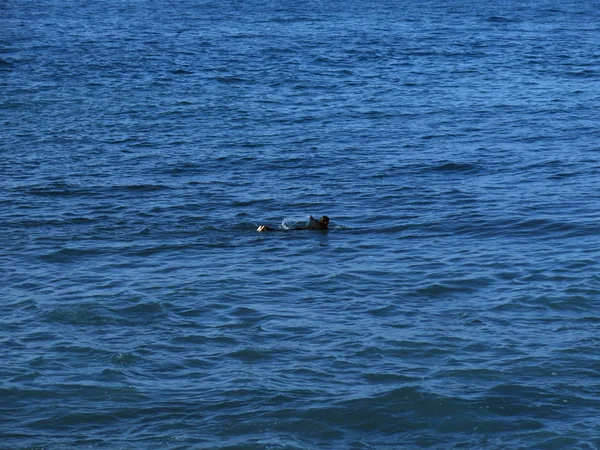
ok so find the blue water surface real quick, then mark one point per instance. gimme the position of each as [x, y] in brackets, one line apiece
[454, 302]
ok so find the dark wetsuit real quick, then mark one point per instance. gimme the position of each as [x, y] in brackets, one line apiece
[314, 224]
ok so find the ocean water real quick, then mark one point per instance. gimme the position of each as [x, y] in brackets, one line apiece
[454, 302]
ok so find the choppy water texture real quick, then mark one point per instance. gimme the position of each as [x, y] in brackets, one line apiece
[453, 304]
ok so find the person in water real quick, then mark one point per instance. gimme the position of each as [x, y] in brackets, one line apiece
[313, 224]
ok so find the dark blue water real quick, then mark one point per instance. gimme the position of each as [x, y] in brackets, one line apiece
[454, 303]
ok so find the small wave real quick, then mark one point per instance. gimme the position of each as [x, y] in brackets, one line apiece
[574, 303]
[454, 167]
[244, 311]
[545, 226]
[181, 72]
[519, 392]
[144, 230]
[59, 189]
[499, 19]
[391, 378]
[439, 289]
[583, 74]
[142, 308]
[230, 80]
[142, 187]
[564, 175]
[249, 355]
[79, 315]
[69, 255]
[182, 168]
[124, 359]
[190, 339]
[384, 311]
[257, 201]
[157, 249]
[20, 394]
[525, 227]
[372, 413]
[289, 20]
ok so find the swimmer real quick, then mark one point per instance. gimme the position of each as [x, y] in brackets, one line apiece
[313, 224]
